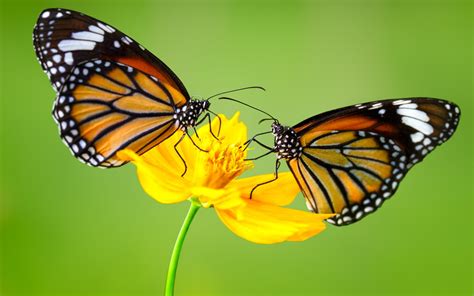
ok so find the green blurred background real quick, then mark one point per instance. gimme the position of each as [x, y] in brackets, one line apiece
[68, 229]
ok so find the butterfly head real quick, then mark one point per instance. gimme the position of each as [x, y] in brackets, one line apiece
[277, 128]
[287, 144]
[189, 114]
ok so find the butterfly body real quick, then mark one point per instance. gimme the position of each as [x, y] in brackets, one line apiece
[349, 161]
[286, 145]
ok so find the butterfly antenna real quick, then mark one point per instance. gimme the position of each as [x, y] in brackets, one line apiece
[265, 119]
[250, 106]
[234, 90]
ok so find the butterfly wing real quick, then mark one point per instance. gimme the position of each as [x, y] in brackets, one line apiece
[105, 106]
[64, 38]
[354, 158]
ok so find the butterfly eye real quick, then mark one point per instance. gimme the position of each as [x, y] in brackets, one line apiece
[276, 128]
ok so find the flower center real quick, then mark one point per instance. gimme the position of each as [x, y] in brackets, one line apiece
[221, 164]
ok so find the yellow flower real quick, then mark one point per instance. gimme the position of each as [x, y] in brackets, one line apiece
[211, 178]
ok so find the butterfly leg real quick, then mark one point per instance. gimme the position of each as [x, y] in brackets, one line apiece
[277, 166]
[208, 117]
[179, 154]
[196, 132]
[254, 138]
[270, 150]
[220, 122]
[261, 156]
[192, 141]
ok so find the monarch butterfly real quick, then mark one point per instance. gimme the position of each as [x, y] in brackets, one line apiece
[350, 160]
[112, 93]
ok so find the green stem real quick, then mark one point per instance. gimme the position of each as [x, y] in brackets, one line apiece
[169, 290]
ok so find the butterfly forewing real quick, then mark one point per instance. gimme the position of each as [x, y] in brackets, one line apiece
[65, 38]
[105, 106]
[354, 158]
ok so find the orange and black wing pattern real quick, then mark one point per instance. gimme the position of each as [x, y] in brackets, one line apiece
[354, 158]
[105, 106]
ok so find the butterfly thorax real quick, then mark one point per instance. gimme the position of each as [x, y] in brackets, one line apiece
[188, 115]
[287, 143]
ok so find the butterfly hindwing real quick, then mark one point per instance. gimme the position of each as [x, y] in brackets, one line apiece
[353, 158]
[349, 172]
[64, 38]
[105, 106]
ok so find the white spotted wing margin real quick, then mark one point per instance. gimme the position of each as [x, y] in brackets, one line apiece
[407, 129]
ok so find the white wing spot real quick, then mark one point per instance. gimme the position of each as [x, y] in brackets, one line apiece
[86, 35]
[416, 137]
[96, 29]
[68, 58]
[106, 28]
[71, 45]
[421, 126]
[399, 102]
[375, 106]
[126, 40]
[417, 114]
[409, 106]
[45, 14]
[57, 58]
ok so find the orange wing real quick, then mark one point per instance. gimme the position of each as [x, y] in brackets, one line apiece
[349, 173]
[107, 106]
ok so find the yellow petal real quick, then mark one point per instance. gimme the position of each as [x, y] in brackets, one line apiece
[281, 192]
[267, 224]
[235, 131]
[164, 157]
[157, 179]
[219, 198]
[232, 131]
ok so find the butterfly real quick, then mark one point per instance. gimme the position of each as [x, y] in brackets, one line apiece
[112, 93]
[349, 161]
